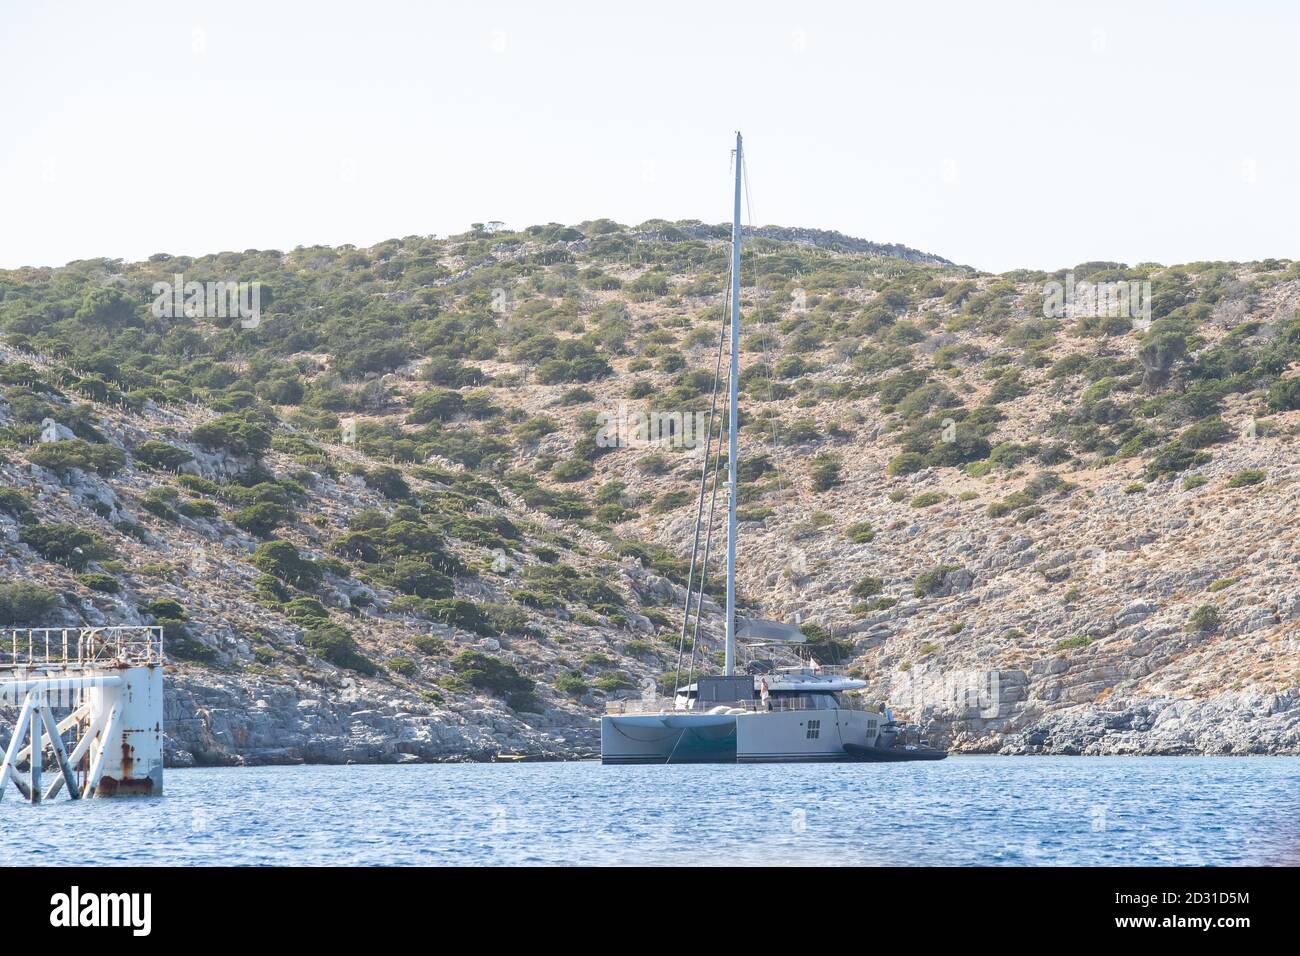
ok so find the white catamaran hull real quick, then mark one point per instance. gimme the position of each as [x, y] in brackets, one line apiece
[761, 737]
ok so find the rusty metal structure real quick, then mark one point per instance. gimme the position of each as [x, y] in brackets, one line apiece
[107, 684]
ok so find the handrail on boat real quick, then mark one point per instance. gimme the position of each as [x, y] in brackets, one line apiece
[665, 705]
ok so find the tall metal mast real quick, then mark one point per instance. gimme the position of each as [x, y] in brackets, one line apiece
[733, 421]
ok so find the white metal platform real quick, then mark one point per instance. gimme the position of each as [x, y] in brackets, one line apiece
[107, 681]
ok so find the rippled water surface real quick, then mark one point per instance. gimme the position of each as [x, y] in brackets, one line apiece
[964, 810]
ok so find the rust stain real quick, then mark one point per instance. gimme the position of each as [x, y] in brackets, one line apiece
[112, 787]
[128, 784]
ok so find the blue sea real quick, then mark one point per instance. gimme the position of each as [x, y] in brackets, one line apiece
[1040, 811]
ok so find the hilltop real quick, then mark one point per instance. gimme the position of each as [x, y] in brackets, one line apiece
[378, 524]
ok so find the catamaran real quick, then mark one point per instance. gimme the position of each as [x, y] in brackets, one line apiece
[771, 712]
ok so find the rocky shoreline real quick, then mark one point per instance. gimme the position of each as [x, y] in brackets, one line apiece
[1229, 724]
[234, 722]
[215, 725]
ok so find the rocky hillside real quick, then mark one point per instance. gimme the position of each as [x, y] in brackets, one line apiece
[383, 521]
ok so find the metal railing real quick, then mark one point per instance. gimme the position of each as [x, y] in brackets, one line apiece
[821, 670]
[664, 705]
[125, 646]
[655, 705]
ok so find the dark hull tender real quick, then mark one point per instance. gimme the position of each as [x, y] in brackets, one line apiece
[893, 754]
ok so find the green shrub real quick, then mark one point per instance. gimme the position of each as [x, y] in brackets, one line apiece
[670, 501]
[428, 644]
[1205, 619]
[159, 454]
[98, 581]
[181, 645]
[15, 504]
[334, 644]
[358, 546]
[158, 501]
[571, 683]
[926, 499]
[1007, 387]
[929, 582]
[572, 470]
[164, 608]
[65, 544]
[541, 601]
[281, 559]
[583, 366]
[653, 465]
[240, 433]
[867, 587]
[905, 463]
[1071, 643]
[403, 666]
[1173, 458]
[416, 577]
[860, 532]
[611, 681]
[269, 590]
[825, 472]
[197, 485]
[465, 615]
[23, 604]
[1284, 394]
[485, 672]
[73, 453]
[525, 702]
[305, 611]
[1208, 431]
[1043, 483]
[1246, 478]
[821, 645]
[439, 404]
[505, 618]
[388, 482]
[197, 508]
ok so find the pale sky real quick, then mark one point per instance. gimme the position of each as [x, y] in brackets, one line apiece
[1000, 135]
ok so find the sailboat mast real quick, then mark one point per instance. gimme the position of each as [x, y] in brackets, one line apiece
[733, 421]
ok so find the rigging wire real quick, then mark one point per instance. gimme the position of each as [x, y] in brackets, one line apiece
[717, 465]
[729, 306]
[699, 507]
[708, 547]
[717, 462]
